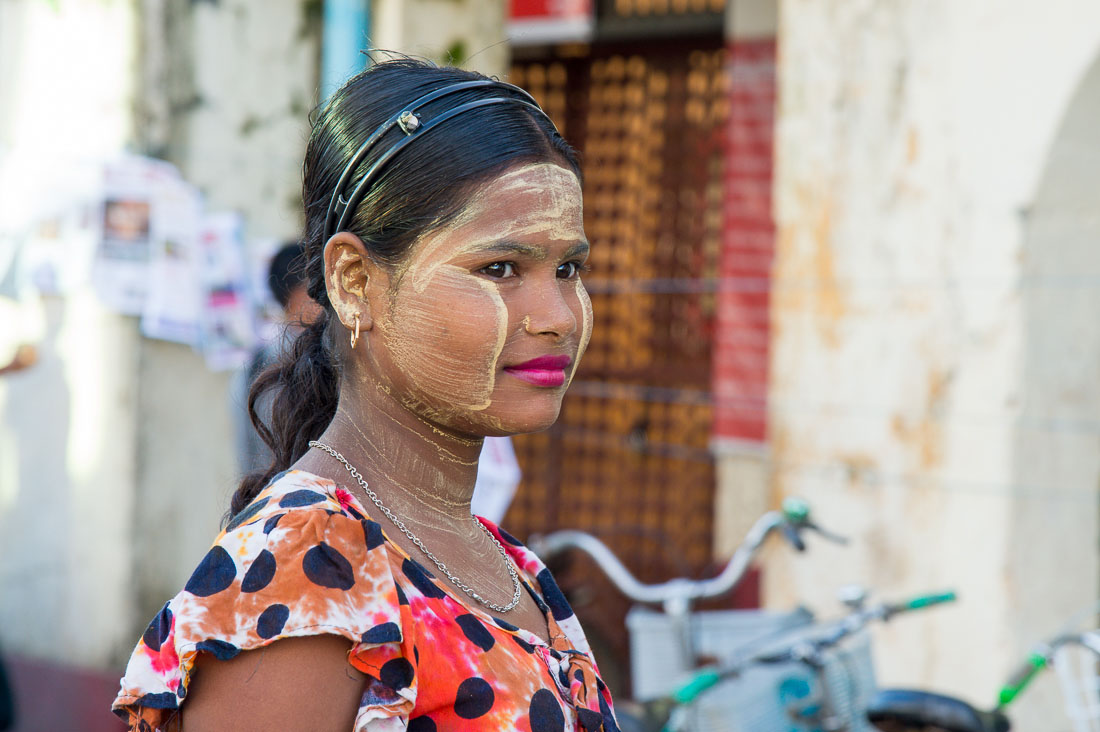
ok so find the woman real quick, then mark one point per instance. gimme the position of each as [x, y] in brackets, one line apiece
[352, 588]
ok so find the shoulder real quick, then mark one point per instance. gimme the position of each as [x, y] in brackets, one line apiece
[300, 560]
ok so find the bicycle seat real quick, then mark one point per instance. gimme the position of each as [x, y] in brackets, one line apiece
[902, 709]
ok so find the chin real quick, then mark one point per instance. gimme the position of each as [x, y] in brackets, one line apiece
[521, 422]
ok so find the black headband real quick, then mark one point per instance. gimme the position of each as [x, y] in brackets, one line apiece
[340, 210]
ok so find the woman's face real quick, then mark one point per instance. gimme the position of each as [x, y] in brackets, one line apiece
[486, 319]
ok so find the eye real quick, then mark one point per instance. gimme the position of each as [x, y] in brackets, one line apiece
[570, 270]
[499, 270]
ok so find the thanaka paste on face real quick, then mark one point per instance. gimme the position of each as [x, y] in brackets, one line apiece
[586, 327]
[467, 381]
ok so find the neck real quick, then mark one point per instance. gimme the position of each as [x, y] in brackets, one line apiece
[421, 472]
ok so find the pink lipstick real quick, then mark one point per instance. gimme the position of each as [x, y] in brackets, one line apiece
[542, 371]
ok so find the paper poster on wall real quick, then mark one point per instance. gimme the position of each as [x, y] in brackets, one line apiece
[173, 305]
[227, 333]
[120, 272]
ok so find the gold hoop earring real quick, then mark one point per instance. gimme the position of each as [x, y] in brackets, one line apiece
[355, 335]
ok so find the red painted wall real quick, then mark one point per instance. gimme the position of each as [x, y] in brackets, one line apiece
[740, 370]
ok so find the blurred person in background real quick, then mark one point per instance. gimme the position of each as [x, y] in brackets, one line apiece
[352, 588]
[286, 280]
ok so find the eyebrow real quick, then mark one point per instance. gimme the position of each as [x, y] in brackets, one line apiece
[526, 250]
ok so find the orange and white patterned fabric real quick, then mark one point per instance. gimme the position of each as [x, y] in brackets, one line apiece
[304, 558]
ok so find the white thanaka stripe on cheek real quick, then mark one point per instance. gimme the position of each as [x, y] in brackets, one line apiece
[586, 324]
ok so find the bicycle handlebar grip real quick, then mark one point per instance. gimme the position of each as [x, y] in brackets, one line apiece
[690, 691]
[919, 603]
[1019, 681]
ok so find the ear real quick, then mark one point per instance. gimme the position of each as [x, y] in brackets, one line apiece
[351, 276]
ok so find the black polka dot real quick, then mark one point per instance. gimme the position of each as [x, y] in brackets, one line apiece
[475, 631]
[215, 572]
[509, 538]
[546, 714]
[384, 633]
[416, 654]
[554, 597]
[421, 580]
[421, 724]
[260, 573]
[272, 522]
[591, 721]
[248, 512]
[158, 630]
[271, 621]
[219, 649]
[295, 499]
[505, 624]
[401, 598]
[563, 678]
[372, 533]
[181, 691]
[327, 567]
[397, 673]
[474, 698]
[163, 700]
[523, 644]
[578, 675]
[275, 478]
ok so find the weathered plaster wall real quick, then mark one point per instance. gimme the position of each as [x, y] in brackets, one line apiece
[917, 396]
[466, 33]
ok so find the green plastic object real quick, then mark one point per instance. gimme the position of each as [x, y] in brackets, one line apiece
[796, 510]
[924, 601]
[690, 691]
[1036, 662]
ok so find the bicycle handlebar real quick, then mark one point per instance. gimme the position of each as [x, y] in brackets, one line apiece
[806, 650]
[792, 520]
[1040, 658]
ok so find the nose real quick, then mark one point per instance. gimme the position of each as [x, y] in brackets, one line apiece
[551, 314]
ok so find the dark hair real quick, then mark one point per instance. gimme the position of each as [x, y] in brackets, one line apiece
[286, 273]
[420, 189]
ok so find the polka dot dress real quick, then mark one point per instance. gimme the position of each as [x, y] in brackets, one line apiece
[305, 558]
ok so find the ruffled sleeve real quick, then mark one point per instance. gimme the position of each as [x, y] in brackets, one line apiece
[292, 564]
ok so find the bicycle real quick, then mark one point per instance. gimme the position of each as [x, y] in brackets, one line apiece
[827, 675]
[1074, 656]
[665, 644]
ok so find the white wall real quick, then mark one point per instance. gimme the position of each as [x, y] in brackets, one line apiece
[67, 425]
[922, 398]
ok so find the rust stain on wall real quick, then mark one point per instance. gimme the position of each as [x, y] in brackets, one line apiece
[925, 434]
[806, 278]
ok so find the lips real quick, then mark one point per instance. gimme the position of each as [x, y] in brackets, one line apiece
[542, 371]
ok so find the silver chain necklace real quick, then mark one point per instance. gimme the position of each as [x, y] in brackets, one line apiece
[412, 537]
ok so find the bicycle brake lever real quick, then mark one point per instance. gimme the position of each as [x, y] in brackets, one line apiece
[835, 538]
[795, 539]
